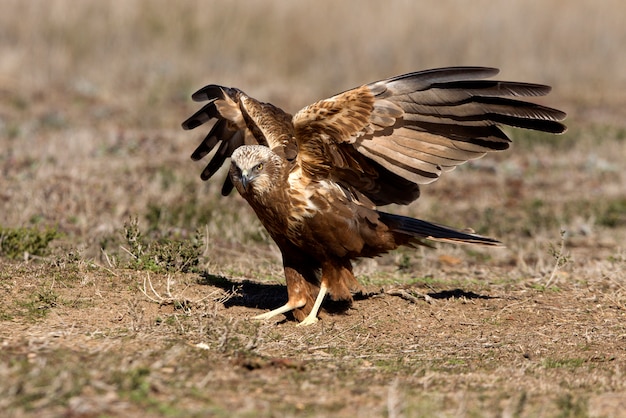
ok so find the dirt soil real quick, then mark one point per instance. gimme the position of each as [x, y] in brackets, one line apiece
[489, 346]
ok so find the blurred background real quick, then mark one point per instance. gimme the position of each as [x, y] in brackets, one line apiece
[93, 92]
[296, 52]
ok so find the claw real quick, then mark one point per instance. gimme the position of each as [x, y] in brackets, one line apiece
[309, 320]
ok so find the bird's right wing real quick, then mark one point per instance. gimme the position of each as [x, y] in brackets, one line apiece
[239, 120]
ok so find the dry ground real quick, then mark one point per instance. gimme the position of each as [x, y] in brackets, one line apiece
[139, 304]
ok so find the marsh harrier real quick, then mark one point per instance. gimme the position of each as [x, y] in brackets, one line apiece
[317, 178]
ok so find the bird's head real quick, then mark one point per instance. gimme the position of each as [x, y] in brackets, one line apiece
[255, 169]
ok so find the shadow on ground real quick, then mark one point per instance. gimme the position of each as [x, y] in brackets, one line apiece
[458, 293]
[247, 293]
[252, 294]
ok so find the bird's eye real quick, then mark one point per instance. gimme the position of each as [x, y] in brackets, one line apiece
[259, 167]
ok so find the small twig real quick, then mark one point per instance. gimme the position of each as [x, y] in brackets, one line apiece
[560, 259]
[93, 263]
[407, 296]
[318, 347]
[106, 256]
[168, 292]
[234, 291]
[343, 332]
[520, 302]
[145, 290]
[129, 252]
[206, 239]
[169, 298]
[151, 287]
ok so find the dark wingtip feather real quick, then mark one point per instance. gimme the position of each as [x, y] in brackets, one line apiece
[209, 92]
[447, 74]
[211, 168]
[208, 112]
[205, 147]
[191, 123]
[227, 187]
[495, 88]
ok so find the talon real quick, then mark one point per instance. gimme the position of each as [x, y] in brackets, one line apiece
[263, 316]
[309, 320]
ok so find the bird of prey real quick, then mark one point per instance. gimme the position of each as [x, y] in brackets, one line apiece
[316, 179]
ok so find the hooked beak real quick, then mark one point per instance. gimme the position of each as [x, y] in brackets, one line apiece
[246, 179]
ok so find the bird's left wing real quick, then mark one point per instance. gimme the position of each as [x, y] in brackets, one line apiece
[387, 137]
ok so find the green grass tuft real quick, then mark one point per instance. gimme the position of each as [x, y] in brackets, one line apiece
[164, 254]
[16, 243]
[565, 363]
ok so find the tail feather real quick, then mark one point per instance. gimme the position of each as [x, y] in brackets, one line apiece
[418, 229]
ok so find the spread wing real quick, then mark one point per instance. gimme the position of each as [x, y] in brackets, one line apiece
[382, 139]
[239, 120]
[387, 137]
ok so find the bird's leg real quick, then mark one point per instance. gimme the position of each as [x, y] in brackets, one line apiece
[312, 316]
[297, 290]
[289, 306]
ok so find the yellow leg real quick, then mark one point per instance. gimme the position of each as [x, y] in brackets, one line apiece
[285, 308]
[312, 317]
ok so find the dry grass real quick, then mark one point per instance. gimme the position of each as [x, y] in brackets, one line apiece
[92, 96]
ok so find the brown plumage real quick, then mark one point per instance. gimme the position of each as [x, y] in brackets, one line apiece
[315, 179]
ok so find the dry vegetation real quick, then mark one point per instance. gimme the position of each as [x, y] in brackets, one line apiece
[126, 282]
